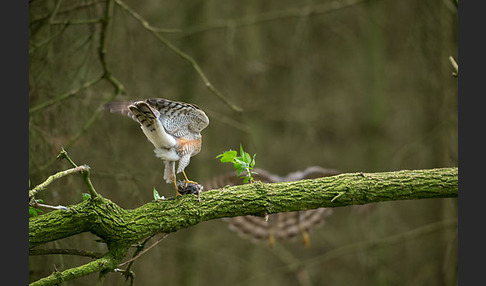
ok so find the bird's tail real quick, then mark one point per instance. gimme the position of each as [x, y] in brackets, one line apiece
[151, 126]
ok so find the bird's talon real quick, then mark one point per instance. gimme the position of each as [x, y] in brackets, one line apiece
[187, 182]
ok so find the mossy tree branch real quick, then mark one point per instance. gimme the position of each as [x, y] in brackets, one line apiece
[121, 228]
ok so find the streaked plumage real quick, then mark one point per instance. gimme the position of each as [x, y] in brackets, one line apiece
[174, 128]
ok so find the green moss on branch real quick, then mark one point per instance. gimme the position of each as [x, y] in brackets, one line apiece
[112, 223]
[120, 228]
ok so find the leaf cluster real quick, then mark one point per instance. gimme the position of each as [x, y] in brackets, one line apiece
[243, 162]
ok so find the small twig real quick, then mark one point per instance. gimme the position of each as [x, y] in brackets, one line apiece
[51, 18]
[119, 89]
[84, 172]
[140, 247]
[455, 66]
[127, 273]
[96, 114]
[351, 248]
[291, 13]
[56, 176]
[87, 180]
[35, 46]
[145, 250]
[276, 15]
[179, 52]
[77, 252]
[63, 155]
[78, 21]
[337, 196]
[54, 12]
[101, 277]
[59, 207]
[85, 128]
[215, 116]
[66, 10]
[66, 95]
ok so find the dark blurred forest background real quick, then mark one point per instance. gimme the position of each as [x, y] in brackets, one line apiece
[358, 86]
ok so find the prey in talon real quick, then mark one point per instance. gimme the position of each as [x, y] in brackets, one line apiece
[185, 188]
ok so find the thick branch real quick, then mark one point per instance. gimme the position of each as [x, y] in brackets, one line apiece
[121, 228]
[114, 224]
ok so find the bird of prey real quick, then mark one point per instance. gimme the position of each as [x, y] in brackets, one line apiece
[174, 128]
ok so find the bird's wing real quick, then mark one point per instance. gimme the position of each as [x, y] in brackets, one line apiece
[179, 118]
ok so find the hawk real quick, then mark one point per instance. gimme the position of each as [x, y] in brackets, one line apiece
[174, 128]
[280, 225]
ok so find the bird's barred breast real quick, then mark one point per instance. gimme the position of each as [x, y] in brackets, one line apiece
[189, 146]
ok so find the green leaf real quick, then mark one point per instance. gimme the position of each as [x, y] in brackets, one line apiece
[241, 151]
[238, 172]
[247, 158]
[156, 195]
[86, 196]
[227, 156]
[241, 163]
[34, 212]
